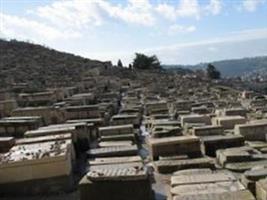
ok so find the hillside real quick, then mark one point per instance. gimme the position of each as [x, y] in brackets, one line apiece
[234, 67]
[38, 67]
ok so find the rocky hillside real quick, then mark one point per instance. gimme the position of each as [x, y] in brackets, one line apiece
[234, 67]
[22, 63]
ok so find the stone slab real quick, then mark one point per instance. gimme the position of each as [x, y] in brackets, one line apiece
[234, 195]
[127, 173]
[170, 166]
[115, 160]
[206, 188]
[170, 146]
[201, 178]
[113, 151]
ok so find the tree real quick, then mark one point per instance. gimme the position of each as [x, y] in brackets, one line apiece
[142, 61]
[119, 63]
[212, 72]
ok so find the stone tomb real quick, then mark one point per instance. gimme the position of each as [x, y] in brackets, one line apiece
[195, 118]
[207, 130]
[122, 119]
[240, 159]
[79, 131]
[171, 146]
[119, 182]
[82, 112]
[250, 177]
[6, 143]
[49, 114]
[261, 189]
[17, 126]
[207, 185]
[170, 166]
[113, 151]
[254, 131]
[36, 168]
[117, 133]
[115, 160]
[116, 130]
[229, 122]
[212, 143]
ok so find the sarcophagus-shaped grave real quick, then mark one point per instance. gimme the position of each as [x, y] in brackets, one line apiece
[122, 119]
[120, 181]
[255, 131]
[212, 143]
[169, 146]
[195, 118]
[113, 151]
[207, 130]
[17, 126]
[250, 177]
[6, 143]
[229, 122]
[170, 166]
[36, 168]
[207, 185]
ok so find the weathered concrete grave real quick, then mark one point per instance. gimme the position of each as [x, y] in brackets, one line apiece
[115, 160]
[250, 177]
[170, 166]
[115, 143]
[37, 168]
[6, 143]
[229, 122]
[212, 143]
[233, 195]
[180, 145]
[113, 151]
[131, 183]
[255, 131]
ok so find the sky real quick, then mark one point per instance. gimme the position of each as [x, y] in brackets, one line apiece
[177, 31]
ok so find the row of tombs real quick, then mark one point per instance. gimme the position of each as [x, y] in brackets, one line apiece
[131, 140]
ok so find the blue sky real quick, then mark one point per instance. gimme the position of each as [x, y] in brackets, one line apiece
[177, 31]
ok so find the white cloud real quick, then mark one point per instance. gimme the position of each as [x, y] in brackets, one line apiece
[86, 13]
[72, 14]
[189, 9]
[214, 7]
[167, 11]
[175, 28]
[137, 12]
[23, 28]
[251, 5]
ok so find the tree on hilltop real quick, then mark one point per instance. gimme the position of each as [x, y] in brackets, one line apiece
[142, 61]
[212, 72]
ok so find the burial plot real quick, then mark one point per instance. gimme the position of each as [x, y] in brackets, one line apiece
[250, 177]
[17, 126]
[82, 112]
[36, 168]
[169, 166]
[195, 118]
[240, 159]
[207, 130]
[229, 122]
[50, 115]
[170, 146]
[113, 151]
[122, 119]
[116, 183]
[255, 131]
[212, 143]
[6, 143]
